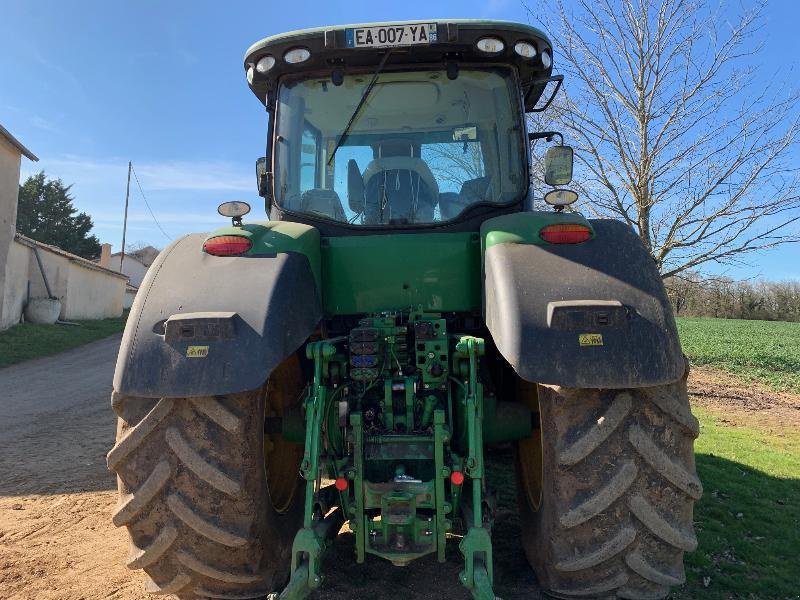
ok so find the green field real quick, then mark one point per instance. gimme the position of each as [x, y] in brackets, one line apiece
[765, 351]
[26, 341]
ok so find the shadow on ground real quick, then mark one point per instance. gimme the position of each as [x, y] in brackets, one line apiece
[748, 529]
[752, 556]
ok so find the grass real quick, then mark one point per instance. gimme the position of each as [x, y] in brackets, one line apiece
[748, 521]
[26, 341]
[764, 351]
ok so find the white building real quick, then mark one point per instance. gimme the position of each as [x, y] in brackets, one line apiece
[86, 290]
[134, 265]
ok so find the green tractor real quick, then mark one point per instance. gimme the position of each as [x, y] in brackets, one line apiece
[404, 307]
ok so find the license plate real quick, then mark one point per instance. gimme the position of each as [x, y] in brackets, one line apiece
[391, 35]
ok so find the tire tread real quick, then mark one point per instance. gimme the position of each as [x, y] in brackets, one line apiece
[618, 494]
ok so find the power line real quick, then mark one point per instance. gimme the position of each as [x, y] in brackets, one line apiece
[147, 204]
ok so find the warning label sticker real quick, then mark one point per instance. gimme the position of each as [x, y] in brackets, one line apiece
[197, 351]
[590, 339]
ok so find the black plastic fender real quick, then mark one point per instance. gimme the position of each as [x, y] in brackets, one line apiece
[204, 325]
[582, 315]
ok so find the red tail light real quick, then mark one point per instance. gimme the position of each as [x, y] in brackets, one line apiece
[457, 477]
[227, 245]
[565, 233]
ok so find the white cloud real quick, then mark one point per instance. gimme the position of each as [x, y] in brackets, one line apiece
[182, 194]
[187, 175]
[44, 124]
[63, 74]
[211, 176]
[108, 218]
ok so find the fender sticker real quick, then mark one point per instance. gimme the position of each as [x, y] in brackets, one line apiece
[197, 351]
[590, 339]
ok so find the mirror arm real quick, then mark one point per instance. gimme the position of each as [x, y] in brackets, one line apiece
[545, 135]
[559, 79]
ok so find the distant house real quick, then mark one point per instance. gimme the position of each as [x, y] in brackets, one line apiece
[134, 265]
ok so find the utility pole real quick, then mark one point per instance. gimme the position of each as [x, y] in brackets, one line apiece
[125, 221]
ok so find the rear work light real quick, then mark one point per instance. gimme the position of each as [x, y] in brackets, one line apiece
[565, 233]
[227, 245]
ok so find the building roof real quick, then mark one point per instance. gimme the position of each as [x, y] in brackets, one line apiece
[84, 262]
[16, 143]
[129, 256]
[145, 255]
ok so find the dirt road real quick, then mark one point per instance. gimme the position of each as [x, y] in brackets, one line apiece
[55, 492]
[56, 496]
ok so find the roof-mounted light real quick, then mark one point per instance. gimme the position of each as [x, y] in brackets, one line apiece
[265, 63]
[296, 55]
[525, 49]
[547, 60]
[490, 45]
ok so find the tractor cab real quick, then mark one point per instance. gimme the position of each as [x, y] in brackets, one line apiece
[407, 125]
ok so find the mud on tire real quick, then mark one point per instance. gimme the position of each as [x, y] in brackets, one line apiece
[618, 488]
[194, 497]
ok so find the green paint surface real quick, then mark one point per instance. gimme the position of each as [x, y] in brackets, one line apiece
[434, 272]
[437, 272]
[524, 227]
[274, 237]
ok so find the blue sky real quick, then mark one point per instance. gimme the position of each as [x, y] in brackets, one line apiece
[88, 86]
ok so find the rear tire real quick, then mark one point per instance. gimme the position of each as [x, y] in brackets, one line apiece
[617, 486]
[194, 493]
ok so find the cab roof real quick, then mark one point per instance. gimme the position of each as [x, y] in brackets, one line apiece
[455, 43]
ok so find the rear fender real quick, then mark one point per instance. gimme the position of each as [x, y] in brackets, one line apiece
[581, 315]
[206, 325]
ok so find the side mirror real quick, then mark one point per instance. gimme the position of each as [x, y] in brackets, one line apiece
[263, 178]
[558, 165]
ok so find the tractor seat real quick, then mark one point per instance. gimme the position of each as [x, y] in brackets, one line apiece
[398, 185]
[412, 164]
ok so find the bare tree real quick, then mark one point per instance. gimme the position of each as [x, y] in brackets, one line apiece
[142, 251]
[671, 131]
[454, 163]
[694, 295]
